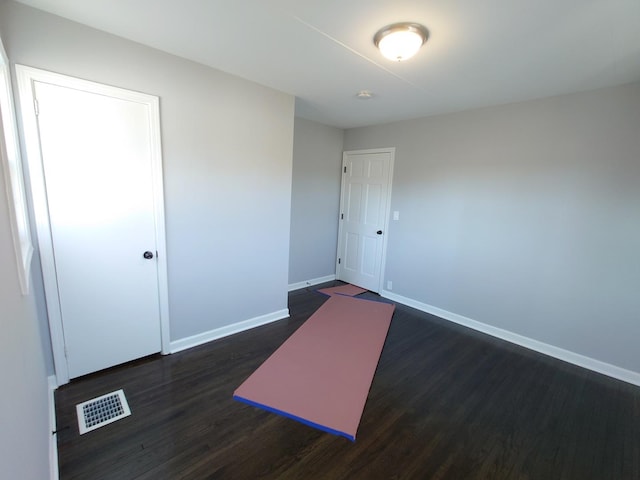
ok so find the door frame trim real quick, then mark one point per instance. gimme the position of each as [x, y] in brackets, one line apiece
[383, 261]
[25, 77]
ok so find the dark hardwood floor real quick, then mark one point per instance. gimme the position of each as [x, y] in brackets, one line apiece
[446, 403]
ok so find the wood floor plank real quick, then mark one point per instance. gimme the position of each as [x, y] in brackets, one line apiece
[446, 403]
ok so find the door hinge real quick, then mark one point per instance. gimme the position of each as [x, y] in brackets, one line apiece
[345, 169]
[36, 106]
[339, 260]
[342, 216]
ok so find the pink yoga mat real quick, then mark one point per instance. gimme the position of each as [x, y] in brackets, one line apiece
[321, 375]
[348, 289]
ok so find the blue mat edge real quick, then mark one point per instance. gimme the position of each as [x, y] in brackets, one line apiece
[294, 417]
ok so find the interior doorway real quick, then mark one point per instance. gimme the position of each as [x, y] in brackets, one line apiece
[96, 177]
[364, 216]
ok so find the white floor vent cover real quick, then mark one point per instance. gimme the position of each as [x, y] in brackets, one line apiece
[101, 411]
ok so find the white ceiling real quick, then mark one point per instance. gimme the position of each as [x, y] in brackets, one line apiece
[480, 52]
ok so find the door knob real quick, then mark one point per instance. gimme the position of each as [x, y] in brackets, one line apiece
[379, 232]
[148, 255]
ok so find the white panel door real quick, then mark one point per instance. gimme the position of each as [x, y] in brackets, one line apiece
[96, 159]
[364, 209]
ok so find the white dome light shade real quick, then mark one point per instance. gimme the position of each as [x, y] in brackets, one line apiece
[400, 41]
[400, 45]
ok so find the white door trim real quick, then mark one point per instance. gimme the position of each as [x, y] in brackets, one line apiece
[383, 265]
[26, 76]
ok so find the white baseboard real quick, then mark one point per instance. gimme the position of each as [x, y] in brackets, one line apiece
[311, 282]
[201, 338]
[53, 437]
[589, 363]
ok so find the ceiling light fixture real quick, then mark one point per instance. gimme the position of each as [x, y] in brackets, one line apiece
[400, 41]
[364, 94]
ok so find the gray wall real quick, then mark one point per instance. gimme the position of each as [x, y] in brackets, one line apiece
[525, 217]
[315, 200]
[24, 417]
[227, 153]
